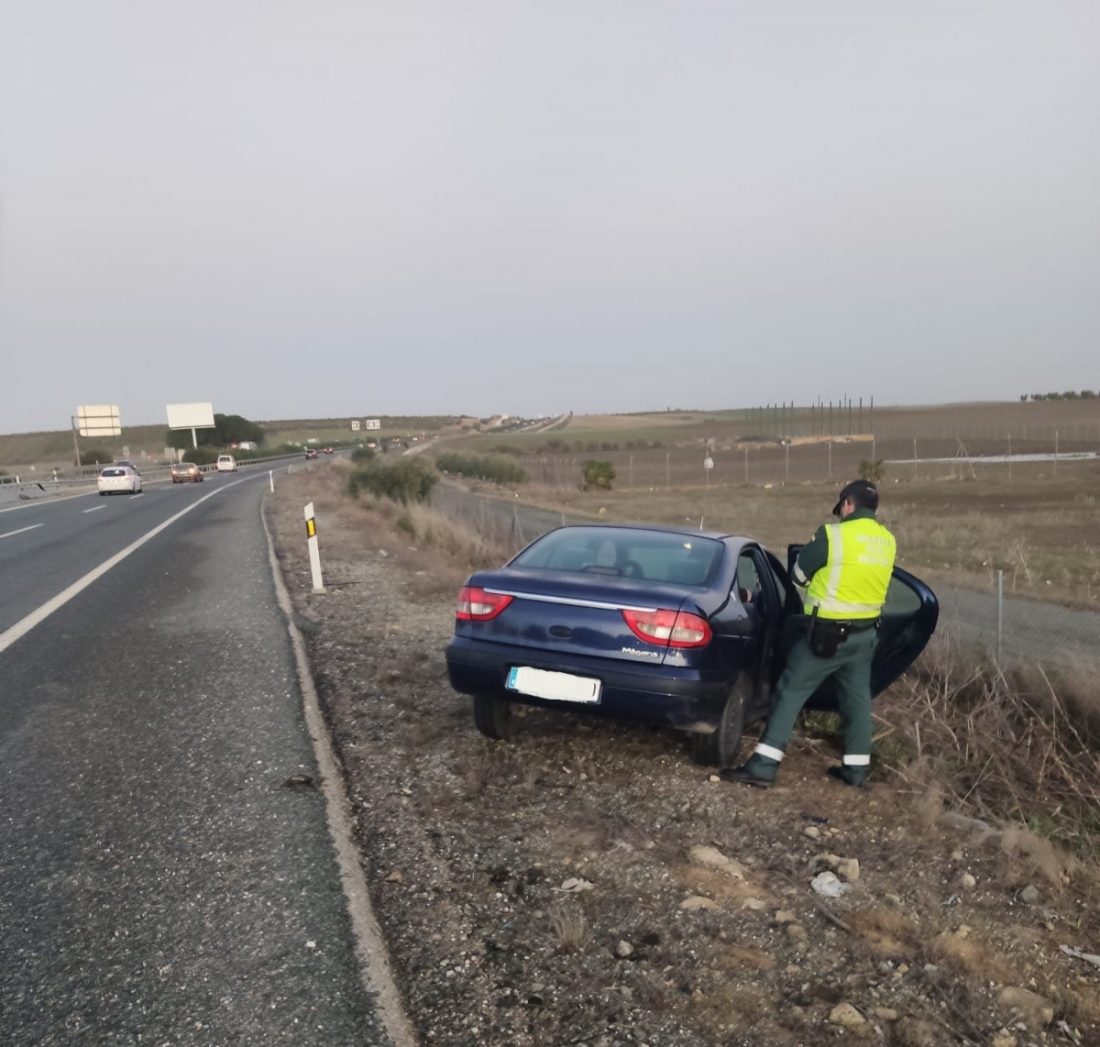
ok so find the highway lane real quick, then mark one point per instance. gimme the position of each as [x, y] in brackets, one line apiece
[47, 545]
[159, 881]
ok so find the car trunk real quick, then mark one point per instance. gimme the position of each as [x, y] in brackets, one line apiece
[554, 610]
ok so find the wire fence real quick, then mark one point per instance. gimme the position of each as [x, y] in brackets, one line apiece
[1007, 628]
[812, 459]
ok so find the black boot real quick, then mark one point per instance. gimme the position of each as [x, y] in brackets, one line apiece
[854, 776]
[756, 771]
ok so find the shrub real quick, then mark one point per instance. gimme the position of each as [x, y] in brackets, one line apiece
[95, 456]
[598, 474]
[405, 480]
[363, 454]
[484, 466]
[872, 470]
[201, 455]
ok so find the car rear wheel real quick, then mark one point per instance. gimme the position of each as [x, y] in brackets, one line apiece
[493, 716]
[720, 747]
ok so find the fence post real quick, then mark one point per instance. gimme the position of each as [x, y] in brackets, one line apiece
[746, 464]
[271, 479]
[1000, 612]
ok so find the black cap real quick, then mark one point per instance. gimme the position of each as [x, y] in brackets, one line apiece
[863, 493]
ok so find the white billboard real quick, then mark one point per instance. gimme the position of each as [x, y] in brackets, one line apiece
[373, 423]
[355, 425]
[190, 416]
[98, 420]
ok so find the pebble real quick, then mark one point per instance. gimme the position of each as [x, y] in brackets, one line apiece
[783, 916]
[753, 904]
[1032, 1008]
[848, 869]
[1030, 894]
[624, 949]
[797, 932]
[846, 1016]
[886, 1014]
[1003, 1039]
[968, 881]
[697, 901]
[713, 778]
[812, 831]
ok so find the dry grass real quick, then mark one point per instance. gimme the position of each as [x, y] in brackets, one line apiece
[570, 927]
[1013, 748]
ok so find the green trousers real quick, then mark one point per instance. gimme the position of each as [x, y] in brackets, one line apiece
[850, 668]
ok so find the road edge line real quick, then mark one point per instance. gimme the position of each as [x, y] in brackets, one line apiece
[375, 967]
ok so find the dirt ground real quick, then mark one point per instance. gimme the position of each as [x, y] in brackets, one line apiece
[589, 884]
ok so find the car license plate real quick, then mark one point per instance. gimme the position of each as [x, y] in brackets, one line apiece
[559, 687]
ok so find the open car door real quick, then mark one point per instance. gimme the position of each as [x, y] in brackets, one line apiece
[909, 619]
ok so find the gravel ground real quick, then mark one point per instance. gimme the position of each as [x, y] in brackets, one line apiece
[588, 884]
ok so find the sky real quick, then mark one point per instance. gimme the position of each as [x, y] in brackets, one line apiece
[332, 208]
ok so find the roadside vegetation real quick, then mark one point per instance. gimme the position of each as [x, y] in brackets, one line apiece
[496, 468]
[402, 480]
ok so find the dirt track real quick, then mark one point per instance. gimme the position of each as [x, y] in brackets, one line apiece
[694, 922]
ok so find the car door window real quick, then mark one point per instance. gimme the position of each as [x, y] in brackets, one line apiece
[748, 578]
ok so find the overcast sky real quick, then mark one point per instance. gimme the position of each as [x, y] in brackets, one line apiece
[342, 207]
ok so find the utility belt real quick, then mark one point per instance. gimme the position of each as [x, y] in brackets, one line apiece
[827, 634]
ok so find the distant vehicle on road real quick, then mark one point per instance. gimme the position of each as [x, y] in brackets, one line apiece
[311, 452]
[185, 472]
[118, 479]
[684, 628]
[226, 464]
[328, 450]
[129, 465]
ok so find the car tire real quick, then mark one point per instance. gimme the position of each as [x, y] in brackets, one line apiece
[493, 716]
[719, 748]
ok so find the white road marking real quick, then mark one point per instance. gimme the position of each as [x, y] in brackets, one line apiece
[20, 531]
[94, 509]
[41, 613]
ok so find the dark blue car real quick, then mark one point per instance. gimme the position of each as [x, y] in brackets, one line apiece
[683, 628]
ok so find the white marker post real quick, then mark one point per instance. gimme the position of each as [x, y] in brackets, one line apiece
[271, 479]
[314, 551]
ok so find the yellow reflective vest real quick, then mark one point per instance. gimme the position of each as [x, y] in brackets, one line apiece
[854, 580]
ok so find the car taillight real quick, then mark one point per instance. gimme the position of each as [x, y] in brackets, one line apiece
[478, 605]
[669, 628]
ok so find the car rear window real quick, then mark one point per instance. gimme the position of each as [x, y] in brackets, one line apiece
[625, 552]
[113, 472]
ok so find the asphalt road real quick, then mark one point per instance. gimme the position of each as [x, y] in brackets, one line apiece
[159, 881]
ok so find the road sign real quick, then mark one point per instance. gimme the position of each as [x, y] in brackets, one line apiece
[98, 420]
[373, 423]
[355, 425]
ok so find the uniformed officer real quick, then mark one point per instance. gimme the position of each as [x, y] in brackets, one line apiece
[845, 572]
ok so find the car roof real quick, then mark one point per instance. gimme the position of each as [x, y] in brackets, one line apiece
[719, 536]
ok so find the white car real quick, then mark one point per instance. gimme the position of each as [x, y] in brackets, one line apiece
[114, 478]
[226, 463]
